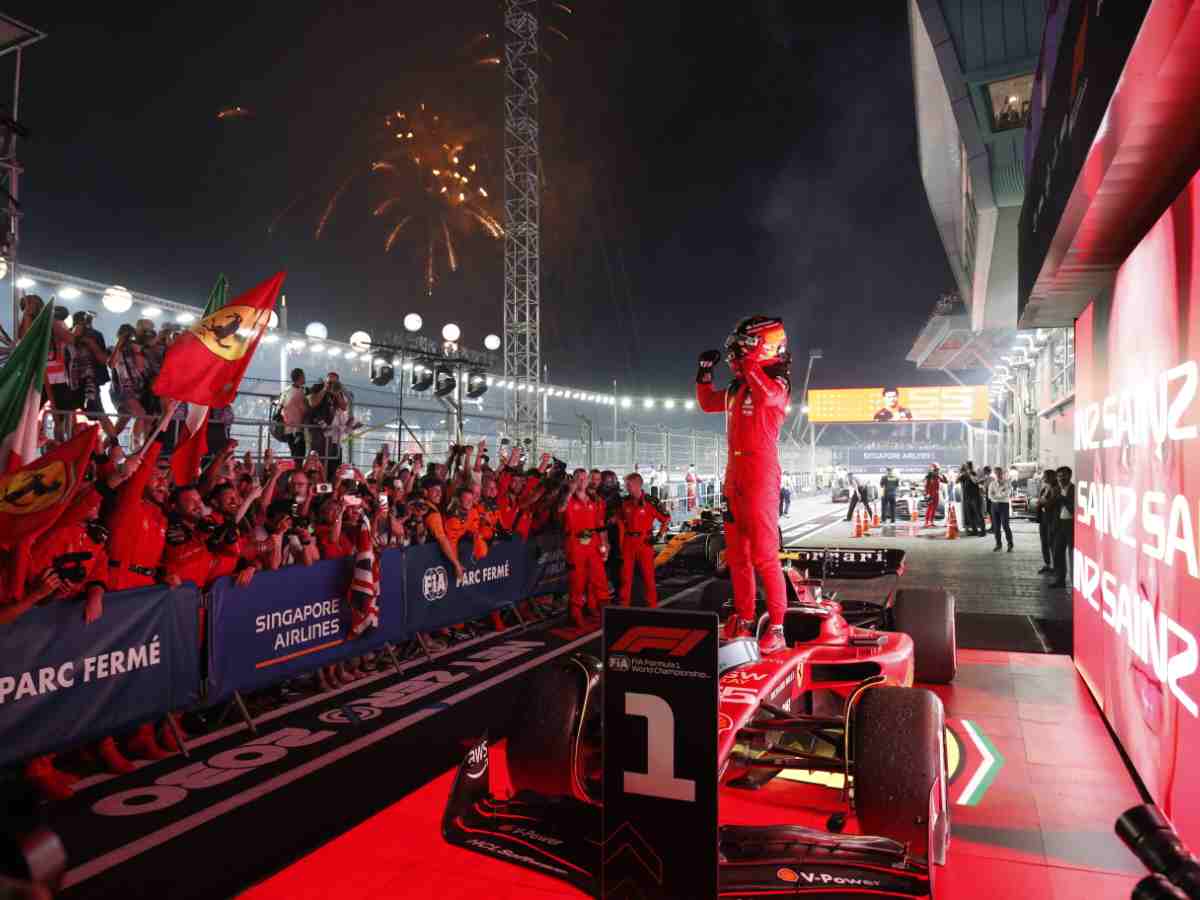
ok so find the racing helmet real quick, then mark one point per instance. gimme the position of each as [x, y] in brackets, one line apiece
[758, 339]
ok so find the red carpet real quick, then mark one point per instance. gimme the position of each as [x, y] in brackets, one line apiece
[1037, 785]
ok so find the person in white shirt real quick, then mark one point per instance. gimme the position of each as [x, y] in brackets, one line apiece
[1000, 495]
[293, 409]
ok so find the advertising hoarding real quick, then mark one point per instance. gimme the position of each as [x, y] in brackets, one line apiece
[898, 405]
[1136, 565]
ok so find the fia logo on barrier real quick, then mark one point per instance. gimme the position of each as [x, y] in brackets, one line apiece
[435, 584]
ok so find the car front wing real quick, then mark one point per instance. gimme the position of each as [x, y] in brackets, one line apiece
[561, 838]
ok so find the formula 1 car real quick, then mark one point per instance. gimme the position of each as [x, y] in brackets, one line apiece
[838, 700]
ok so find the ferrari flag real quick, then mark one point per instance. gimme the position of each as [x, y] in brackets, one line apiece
[206, 363]
[21, 393]
[33, 496]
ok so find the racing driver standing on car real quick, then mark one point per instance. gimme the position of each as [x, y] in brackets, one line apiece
[755, 404]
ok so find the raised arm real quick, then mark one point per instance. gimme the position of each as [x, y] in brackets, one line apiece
[707, 397]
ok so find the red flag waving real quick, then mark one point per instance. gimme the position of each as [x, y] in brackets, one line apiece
[206, 363]
[34, 497]
[185, 461]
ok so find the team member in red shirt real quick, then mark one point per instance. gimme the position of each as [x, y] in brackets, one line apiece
[635, 523]
[755, 405]
[587, 548]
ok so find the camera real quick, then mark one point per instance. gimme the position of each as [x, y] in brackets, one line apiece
[324, 488]
[69, 566]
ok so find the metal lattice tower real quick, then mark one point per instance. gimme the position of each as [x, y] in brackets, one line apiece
[522, 219]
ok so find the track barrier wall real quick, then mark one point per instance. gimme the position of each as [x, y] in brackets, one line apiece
[64, 683]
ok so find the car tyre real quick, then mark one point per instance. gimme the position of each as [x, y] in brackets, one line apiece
[542, 739]
[927, 616]
[898, 737]
[714, 547]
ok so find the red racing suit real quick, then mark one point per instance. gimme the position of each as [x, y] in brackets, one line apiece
[636, 520]
[755, 406]
[583, 522]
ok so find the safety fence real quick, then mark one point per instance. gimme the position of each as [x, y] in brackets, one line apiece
[156, 650]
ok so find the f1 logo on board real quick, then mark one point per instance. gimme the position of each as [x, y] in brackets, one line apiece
[674, 641]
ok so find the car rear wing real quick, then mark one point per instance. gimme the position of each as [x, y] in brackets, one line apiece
[845, 562]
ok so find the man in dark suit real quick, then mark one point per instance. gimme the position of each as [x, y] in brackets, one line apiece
[1064, 526]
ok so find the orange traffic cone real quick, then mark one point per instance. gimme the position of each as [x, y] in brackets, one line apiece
[866, 526]
[912, 504]
[858, 531]
[875, 520]
[951, 522]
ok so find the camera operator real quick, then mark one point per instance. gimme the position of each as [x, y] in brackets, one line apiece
[74, 551]
[325, 400]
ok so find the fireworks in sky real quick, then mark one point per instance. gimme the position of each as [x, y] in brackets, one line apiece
[428, 184]
[427, 177]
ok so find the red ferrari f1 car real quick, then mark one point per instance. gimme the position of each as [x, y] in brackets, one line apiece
[838, 700]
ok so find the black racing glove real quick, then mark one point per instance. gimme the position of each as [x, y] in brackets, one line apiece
[708, 359]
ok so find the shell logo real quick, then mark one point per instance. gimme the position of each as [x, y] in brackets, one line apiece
[787, 875]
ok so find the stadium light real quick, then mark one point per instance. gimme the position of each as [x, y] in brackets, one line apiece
[412, 322]
[116, 299]
[270, 338]
[381, 371]
[273, 321]
[444, 380]
[360, 340]
[316, 330]
[804, 409]
[184, 318]
[69, 293]
[151, 312]
[335, 351]
[626, 402]
[317, 348]
[422, 378]
[477, 384]
[648, 403]
[689, 405]
[492, 342]
[451, 332]
[25, 282]
[669, 404]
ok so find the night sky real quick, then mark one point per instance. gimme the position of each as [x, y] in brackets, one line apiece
[699, 167]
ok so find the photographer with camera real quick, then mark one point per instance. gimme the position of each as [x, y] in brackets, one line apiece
[326, 399]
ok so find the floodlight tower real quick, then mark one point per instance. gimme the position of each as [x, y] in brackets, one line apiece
[14, 38]
[522, 219]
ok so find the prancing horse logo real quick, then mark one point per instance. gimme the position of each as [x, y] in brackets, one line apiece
[33, 490]
[231, 330]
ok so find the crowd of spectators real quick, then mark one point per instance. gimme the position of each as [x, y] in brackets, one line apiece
[131, 525]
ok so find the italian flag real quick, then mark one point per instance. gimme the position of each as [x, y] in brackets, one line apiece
[21, 382]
